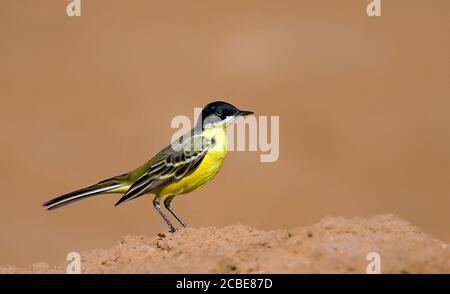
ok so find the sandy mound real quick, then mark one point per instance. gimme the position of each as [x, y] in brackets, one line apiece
[334, 245]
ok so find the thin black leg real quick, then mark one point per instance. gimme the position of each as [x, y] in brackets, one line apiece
[164, 216]
[167, 202]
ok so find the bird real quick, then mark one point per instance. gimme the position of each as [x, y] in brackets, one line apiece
[188, 163]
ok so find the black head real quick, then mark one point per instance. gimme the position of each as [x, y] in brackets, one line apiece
[219, 112]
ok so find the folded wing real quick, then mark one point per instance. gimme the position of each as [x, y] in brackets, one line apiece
[170, 165]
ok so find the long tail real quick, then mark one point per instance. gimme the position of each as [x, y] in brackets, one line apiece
[106, 186]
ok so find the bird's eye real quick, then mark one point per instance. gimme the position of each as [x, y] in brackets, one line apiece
[219, 112]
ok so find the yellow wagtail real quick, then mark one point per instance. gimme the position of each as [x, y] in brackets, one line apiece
[187, 164]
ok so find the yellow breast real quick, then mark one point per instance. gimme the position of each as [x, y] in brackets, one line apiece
[206, 170]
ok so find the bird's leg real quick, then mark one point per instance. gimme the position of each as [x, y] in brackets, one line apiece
[164, 216]
[167, 202]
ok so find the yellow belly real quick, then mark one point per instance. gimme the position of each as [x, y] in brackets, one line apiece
[206, 170]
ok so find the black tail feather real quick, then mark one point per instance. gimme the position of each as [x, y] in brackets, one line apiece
[100, 188]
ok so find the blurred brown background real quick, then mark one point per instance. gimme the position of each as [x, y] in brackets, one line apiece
[363, 102]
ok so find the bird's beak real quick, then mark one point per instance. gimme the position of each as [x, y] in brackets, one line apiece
[244, 113]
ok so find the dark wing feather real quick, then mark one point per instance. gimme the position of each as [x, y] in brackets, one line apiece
[170, 165]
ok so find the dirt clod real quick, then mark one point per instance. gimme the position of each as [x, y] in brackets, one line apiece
[334, 245]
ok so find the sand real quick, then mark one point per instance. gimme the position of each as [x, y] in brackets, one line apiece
[334, 245]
